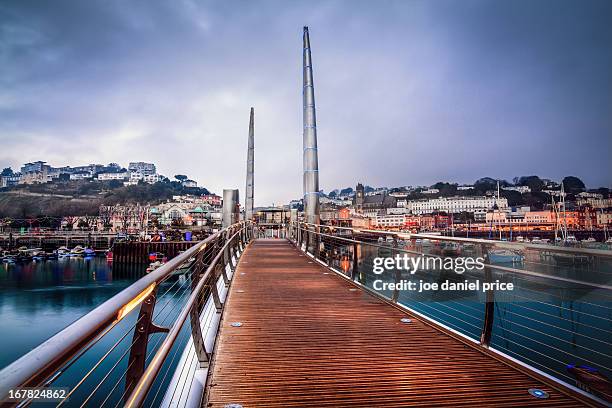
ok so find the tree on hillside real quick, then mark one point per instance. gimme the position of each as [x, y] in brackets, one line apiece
[7, 171]
[514, 197]
[573, 185]
[180, 177]
[533, 182]
[346, 191]
[446, 189]
[485, 184]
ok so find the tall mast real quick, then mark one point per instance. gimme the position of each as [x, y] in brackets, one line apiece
[250, 178]
[311, 159]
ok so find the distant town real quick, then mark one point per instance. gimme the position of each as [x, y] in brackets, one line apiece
[136, 198]
[40, 172]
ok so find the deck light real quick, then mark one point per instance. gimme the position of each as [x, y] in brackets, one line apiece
[405, 320]
[538, 393]
[236, 324]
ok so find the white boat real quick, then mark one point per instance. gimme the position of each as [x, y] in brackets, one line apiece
[571, 240]
[154, 265]
[77, 251]
[520, 238]
[504, 256]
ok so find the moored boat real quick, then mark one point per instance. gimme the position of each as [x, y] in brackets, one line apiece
[450, 248]
[77, 251]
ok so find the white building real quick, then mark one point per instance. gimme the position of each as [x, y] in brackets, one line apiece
[520, 189]
[113, 176]
[189, 183]
[80, 176]
[135, 177]
[397, 210]
[390, 220]
[599, 203]
[455, 204]
[431, 191]
[7, 181]
[142, 167]
[585, 194]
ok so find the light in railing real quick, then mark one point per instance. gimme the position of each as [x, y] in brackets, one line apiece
[127, 308]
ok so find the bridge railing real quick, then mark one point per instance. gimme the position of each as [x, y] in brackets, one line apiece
[555, 321]
[117, 354]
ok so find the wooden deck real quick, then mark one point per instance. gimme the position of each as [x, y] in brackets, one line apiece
[307, 340]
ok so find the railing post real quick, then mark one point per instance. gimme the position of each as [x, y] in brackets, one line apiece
[140, 340]
[317, 239]
[355, 261]
[299, 237]
[487, 325]
[398, 277]
[221, 270]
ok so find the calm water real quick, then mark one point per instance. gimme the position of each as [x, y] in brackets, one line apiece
[38, 299]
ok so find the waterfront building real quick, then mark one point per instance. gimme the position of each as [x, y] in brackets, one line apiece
[603, 219]
[598, 203]
[430, 191]
[335, 215]
[361, 221]
[131, 218]
[390, 221]
[455, 204]
[586, 194]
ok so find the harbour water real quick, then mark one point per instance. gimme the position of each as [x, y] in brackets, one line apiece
[38, 299]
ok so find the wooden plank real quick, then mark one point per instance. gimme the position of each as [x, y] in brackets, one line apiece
[307, 340]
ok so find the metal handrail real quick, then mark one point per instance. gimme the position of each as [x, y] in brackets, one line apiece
[138, 396]
[487, 265]
[504, 244]
[40, 364]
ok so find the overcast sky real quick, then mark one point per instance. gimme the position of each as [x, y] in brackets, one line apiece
[407, 92]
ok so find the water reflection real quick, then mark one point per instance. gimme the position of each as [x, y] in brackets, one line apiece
[38, 299]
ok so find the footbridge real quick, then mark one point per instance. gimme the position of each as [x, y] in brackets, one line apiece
[331, 317]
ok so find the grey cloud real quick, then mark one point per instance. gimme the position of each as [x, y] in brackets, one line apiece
[407, 92]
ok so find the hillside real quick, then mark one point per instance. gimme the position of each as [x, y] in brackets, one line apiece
[83, 197]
